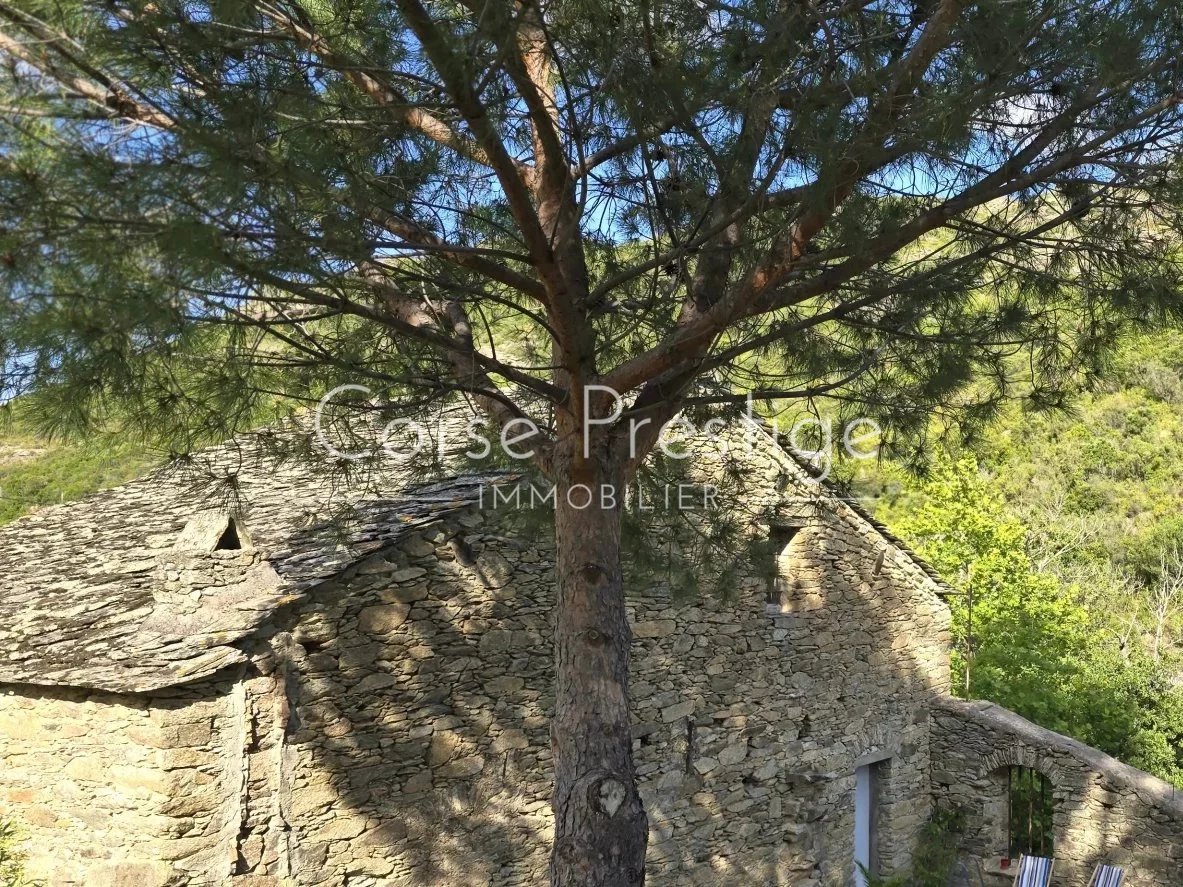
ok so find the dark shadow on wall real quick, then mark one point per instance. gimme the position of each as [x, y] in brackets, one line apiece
[413, 746]
[401, 717]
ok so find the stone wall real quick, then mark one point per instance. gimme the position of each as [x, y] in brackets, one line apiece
[121, 791]
[391, 728]
[866, 642]
[416, 747]
[1105, 811]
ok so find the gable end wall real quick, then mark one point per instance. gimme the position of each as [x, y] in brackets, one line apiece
[417, 749]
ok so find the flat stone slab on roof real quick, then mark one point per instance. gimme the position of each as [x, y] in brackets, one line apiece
[93, 597]
[82, 602]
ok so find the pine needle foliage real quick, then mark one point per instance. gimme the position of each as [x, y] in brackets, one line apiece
[881, 204]
[216, 211]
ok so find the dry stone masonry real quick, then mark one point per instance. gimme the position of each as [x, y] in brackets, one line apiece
[295, 706]
[1104, 810]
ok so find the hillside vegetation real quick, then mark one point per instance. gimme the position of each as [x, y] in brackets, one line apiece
[1062, 533]
[35, 471]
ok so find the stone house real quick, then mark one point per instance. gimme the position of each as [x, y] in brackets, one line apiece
[199, 693]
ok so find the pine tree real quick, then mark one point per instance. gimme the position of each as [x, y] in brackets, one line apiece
[901, 209]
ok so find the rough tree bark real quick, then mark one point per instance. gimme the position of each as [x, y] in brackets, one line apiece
[600, 825]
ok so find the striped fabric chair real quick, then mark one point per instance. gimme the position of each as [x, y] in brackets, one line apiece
[1034, 871]
[1107, 876]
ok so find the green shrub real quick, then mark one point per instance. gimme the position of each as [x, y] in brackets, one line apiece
[935, 857]
[12, 857]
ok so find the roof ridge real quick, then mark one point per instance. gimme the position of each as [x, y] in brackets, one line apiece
[834, 491]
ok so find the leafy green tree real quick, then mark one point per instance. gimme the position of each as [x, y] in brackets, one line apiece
[544, 206]
[1131, 707]
[1017, 634]
[1100, 489]
[1027, 641]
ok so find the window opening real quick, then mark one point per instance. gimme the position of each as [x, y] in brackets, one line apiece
[1030, 807]
[782, 582]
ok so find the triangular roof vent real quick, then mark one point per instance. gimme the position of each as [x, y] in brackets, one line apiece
[229, 540]
[213, 530]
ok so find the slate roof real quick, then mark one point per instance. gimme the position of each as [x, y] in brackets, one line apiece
[81, 600]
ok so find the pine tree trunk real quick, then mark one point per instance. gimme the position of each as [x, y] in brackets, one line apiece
[600, 824]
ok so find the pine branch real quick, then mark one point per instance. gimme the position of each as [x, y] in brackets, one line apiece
[53, 56]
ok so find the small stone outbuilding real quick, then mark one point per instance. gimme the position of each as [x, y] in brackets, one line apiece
[198, 693]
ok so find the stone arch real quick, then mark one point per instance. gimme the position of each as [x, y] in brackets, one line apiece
[1021, 756]
[876, 742]
[992, 826]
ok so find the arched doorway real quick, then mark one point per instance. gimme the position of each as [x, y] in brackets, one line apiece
[1017, 816]
[1030, 809]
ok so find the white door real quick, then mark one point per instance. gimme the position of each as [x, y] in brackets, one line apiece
[865, 822]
